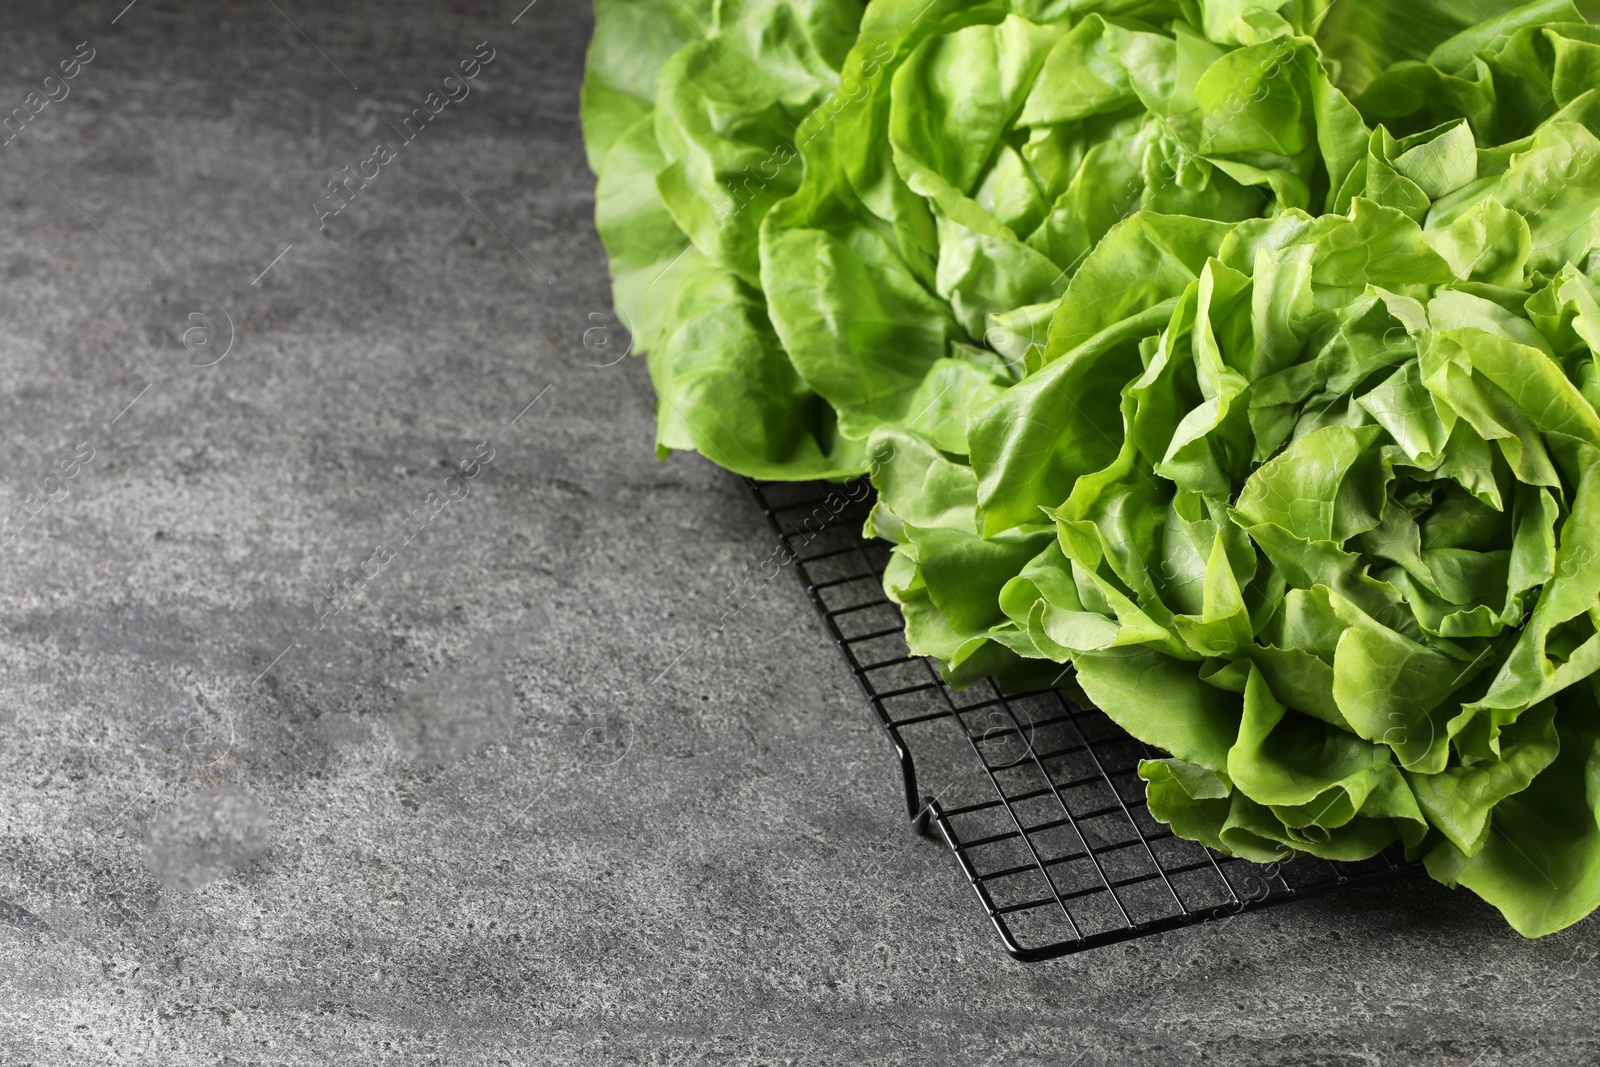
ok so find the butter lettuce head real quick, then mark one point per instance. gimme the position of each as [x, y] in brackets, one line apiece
[1240, 356]
[1312, 502]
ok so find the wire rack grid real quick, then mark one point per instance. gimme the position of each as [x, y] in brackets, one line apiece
[1038, 798]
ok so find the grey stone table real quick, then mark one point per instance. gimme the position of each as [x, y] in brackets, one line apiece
[364, 687]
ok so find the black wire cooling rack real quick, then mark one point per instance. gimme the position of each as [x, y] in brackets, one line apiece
[1038, 798]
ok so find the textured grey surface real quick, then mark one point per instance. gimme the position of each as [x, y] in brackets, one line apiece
[521, 800]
